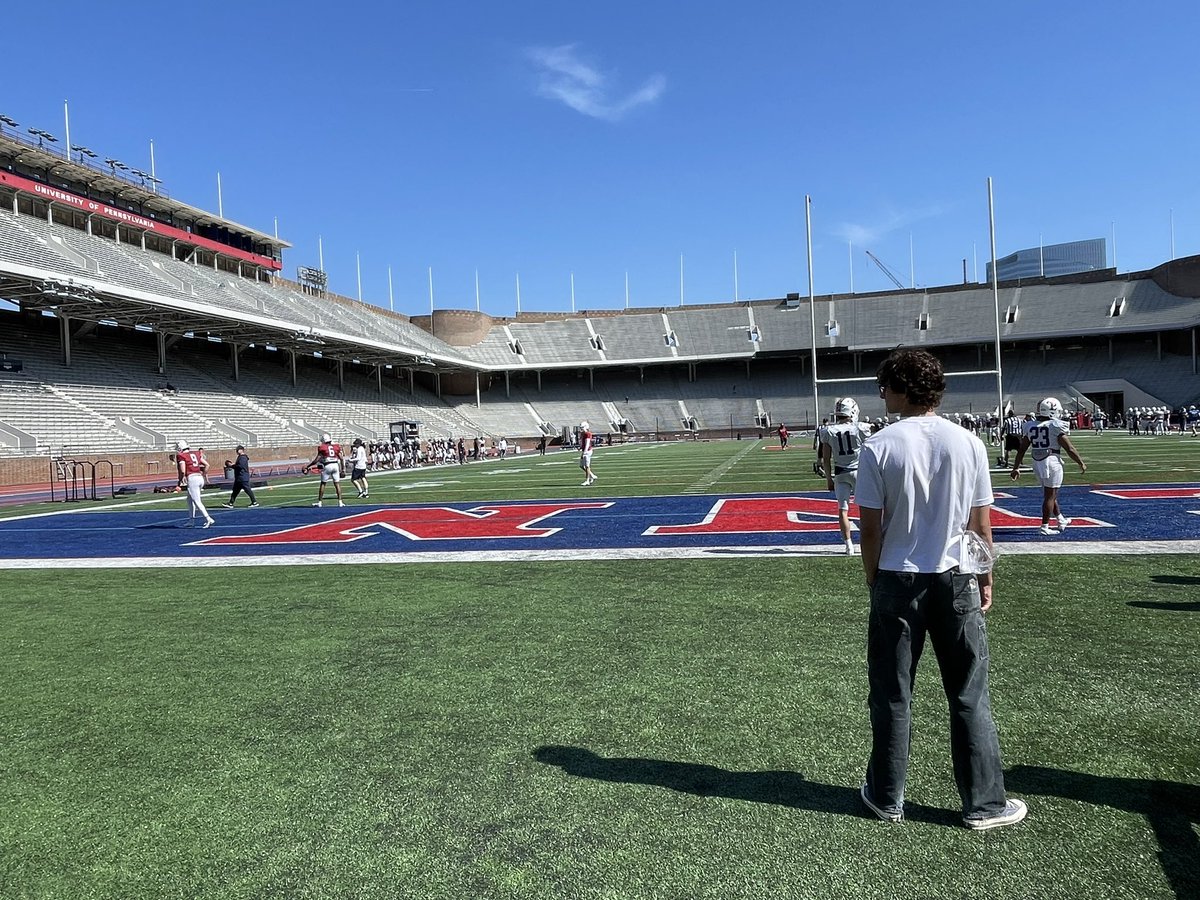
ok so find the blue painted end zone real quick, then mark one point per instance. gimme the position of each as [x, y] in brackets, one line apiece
[620, 523]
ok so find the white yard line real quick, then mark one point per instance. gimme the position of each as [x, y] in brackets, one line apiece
[1066, 548]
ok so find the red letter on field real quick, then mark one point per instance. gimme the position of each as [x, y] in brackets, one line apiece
[427, 523]
[760, 515]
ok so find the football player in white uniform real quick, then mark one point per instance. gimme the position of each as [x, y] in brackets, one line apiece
[840, 446]
[1046, 437]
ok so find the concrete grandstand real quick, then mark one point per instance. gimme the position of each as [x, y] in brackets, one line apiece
[133, 319]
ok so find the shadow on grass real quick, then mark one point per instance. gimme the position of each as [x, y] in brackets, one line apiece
[780, 787]
[1175, 579]
[1171, 808]
[1181, 606]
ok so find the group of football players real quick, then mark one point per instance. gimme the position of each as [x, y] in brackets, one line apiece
[1045, 436]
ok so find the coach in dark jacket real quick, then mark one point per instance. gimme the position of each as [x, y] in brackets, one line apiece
[241, 479]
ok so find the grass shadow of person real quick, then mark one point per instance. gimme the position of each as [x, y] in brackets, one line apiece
[1171, 808]
[1181, 606]
[784, 788]
[1175, 579]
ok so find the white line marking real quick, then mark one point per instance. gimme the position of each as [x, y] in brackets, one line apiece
[1066, 548]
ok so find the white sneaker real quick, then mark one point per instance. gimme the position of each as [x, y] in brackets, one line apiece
[207, 523]
[585, 484]
[1063, 522]
[849, 548]
[1047, 530]
[318, 503]
[253, 505]
[340, 503]
[1014, 812]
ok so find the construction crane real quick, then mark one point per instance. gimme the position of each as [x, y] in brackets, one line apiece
[885, 270]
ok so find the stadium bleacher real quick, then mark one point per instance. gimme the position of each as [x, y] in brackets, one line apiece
[723, 368]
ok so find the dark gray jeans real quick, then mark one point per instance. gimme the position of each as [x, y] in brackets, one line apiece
[905, 606]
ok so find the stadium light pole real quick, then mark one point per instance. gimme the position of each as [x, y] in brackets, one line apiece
[812, 306]
[518, 293]
[681, 279]
[391, 299]
[67, 130]
[851, 243]
[321, 252]
[995, 300]
[627, 289]
[358, 273]
[220, 200]
[431, 296]
[153, 174]
[572, 292]
[735, 280]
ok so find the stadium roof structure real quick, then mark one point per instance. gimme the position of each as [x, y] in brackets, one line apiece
[131, 188]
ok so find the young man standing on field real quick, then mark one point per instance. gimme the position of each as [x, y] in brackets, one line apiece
[329, 462]
[840, 446]
[586, 443]
[922, 484]
[241, 479]
[1047, 437]
[192, 467]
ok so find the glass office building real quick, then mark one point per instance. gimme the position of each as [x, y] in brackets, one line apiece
[1051, 260]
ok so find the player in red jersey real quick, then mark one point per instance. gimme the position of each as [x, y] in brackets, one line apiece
[192, 467]
[329, 461]
[783, 436]
[586, 442]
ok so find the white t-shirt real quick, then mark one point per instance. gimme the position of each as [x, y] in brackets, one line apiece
[360, 457]
[926, 473]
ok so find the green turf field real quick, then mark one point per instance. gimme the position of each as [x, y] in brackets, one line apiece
[657, 729]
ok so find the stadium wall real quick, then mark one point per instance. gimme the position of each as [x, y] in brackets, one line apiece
[145, 467]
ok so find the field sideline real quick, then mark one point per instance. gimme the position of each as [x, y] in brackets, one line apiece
[659, 728]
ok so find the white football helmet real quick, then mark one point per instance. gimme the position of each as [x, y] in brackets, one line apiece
[846, 407]
[1051, 408]
[325, 438]
[181, 445]
[583, 426]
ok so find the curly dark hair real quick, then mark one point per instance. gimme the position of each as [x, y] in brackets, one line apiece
[917, 374]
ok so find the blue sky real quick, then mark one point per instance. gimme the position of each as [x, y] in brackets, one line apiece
[554, 138]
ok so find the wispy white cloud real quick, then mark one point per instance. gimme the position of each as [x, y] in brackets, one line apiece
[885, 223]
[565, 76]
